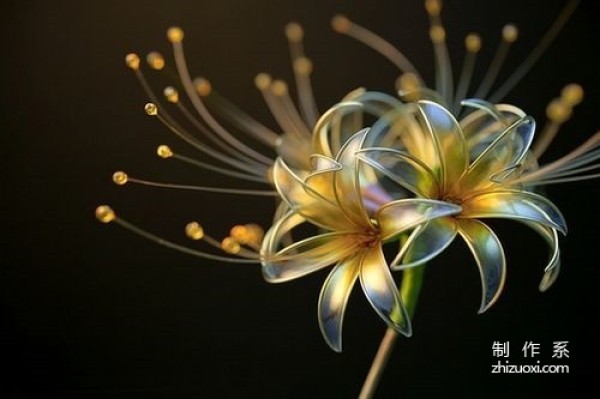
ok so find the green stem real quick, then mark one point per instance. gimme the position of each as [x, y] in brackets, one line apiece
[412, 281]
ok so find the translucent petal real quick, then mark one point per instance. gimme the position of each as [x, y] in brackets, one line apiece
[553, 267]
[304, 257]
[308, 202]
[489, 255]
[502, 155]
[403, 169]
[347, 180]
[381, 291]
[326, 139]
[449, 140]
[402, 215]
[513, 204]
[333, 299]
[425, 243]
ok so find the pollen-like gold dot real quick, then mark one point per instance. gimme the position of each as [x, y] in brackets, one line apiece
[437, 34]
[303, 66]
[194, 231]
[433, 7]
[572, 94]
[510, 33]
[105, 214]
[203, 87]
[240, 234]
[558, 111]
[155, 60]
[151, 109]
[171, 94]
[279, 88]
[120, 178]
[132, 61]
[164, 151]
[294, 32]
[175, 34]
[262, 81]
[230, 245]
[473, 42]
[341, 24]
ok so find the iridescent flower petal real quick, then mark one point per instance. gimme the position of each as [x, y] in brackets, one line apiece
[333, 299]
[553, 267]
[501, 156]
[309, 203]
[425, 243]
[403, 169]
[302, 257]
[518, 205]
[381, 291]
[347, 180]
[449, 141]
[326, 140]
[489, 255]
[402, 215]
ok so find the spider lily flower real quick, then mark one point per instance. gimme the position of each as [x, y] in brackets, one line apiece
[350, 236]
[481, 163]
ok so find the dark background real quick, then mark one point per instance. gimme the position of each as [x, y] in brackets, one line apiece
[89, 310]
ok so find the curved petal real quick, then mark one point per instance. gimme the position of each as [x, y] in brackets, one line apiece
[300, 258]
[449, 140]
[499, 159]
[403, 169]
[381, 291]
[325, 139]
[347, 180]
[489, 255]
[305, 200]
[333, 299]
[518, 205]
[425, 243]
[401, 215]
[553, 267]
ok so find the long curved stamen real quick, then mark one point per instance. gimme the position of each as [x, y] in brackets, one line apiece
[175, 36]
[437, 34]
[153, 110]
[302, 69]
[121, 178]
[509, 36]
[536, 53]
[558, 112]
[165, 152]
[106, 215]
[472, 45]
[342, 24]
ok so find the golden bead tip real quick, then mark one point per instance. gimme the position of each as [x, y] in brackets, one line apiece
[572, 94]
[164, 151]
[341, 24]
[303, 66]
[433, 7]
[105, 214]
[171, 94]
[151, 109]
[262, 81]
[510, 33]
[203, 87]
[437, 34]
[558, 111]
[155, 60]
[240, 234]
[294, 32]
[230, 245]
[132, 61]
[175, 34]
[120, 178]
[473, 42]
[279, 88]
[194, 231]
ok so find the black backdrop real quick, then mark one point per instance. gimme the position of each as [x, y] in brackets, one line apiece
[89, 310]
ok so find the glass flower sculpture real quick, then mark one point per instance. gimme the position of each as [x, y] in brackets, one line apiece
[379, 183]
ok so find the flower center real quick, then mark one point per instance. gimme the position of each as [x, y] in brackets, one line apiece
[366, 239]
